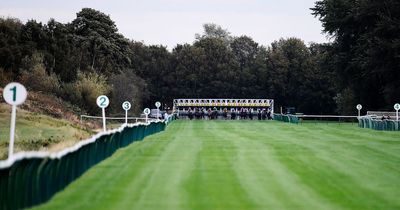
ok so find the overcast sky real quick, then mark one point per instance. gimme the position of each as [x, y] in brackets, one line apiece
[172, 22]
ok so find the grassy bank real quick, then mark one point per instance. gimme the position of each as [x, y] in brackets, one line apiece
[38, 132]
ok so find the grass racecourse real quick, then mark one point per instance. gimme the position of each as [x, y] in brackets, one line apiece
[245, 165]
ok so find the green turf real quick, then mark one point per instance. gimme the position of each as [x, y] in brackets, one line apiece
[245, 165]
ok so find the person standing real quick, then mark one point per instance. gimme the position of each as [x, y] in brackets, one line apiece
[264, 114]
[233, 114]
[190, 114]
[225, 113]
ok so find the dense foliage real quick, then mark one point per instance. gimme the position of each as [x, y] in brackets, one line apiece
[83, 58]
[365, 52]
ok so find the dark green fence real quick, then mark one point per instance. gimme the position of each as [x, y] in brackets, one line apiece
[381, 125]
[286, 118]
[33, 177]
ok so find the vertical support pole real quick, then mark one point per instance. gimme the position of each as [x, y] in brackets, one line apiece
[104, 118]
[12, 131]
[126, 116]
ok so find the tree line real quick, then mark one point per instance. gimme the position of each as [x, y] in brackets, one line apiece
[80, 60]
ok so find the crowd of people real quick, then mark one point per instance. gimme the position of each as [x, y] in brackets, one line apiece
[233, 114]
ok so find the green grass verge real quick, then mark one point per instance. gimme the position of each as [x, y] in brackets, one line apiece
[37, 132]
[245, 165]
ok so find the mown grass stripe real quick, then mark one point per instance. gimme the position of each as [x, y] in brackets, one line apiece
[245, 165]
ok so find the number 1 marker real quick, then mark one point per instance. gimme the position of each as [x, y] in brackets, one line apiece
[14, 94]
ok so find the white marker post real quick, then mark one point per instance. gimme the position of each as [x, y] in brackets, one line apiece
[103, 101]
[158, 104]
[359, 107]
[126, 106]
[397, 108]
[146, 112]
[14, 94]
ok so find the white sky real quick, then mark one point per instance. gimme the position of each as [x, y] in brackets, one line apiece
[172, 22]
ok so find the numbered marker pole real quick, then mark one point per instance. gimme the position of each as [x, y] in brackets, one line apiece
[103, 101]
[14, 94]
[158, 104]
[12, 130]
[126, 106]
[103, 112]
[397, 108]
[359, 107]
[126, 116]
[146, 112]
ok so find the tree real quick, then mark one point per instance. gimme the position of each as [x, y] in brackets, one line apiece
[245, 51]
[36, 78]
[62, 53]
[212, 30]
[220, 69]
[126, 86]
[10, 48]
[365, 50]
[99, 41]
[297, 76]
[187, 73]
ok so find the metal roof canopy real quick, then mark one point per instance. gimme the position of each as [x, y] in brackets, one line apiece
[268, 103]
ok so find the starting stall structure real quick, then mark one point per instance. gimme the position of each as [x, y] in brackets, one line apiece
[182, 105]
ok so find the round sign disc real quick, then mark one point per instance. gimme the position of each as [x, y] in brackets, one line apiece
[397, 107]
[102, 101]
[359, 107]
[146, 111]
[14, 93]
[158, 104]
[126, 105]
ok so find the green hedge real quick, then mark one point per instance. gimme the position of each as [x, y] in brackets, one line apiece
[381, 125]
[286, 118]
[33, 177]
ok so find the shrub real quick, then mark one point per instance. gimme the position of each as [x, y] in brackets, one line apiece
[127, 86]
[5, 77]
[35, 77]
[85, 90]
